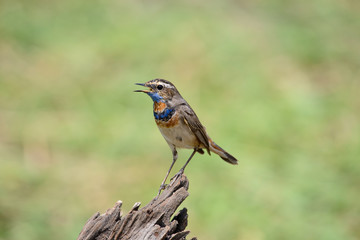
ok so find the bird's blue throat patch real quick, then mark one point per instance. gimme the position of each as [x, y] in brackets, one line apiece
[164, 115]
[155, 96]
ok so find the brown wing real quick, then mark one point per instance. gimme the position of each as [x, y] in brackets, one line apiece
[192, 121]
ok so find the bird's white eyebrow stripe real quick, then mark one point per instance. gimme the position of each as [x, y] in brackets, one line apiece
[168, 85]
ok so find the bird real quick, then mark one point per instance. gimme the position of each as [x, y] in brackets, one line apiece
[179, 124]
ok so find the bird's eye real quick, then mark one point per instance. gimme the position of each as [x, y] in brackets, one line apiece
[159, 87]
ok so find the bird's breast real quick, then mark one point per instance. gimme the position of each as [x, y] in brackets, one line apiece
[177, 133]
[159, 106]
[164, 115]
[167, 119]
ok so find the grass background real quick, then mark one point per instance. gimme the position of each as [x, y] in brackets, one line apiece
[275, 82]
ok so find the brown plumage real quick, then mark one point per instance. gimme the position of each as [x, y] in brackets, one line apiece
[179, 124]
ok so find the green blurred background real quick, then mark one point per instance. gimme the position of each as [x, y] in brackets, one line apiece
[275, 82]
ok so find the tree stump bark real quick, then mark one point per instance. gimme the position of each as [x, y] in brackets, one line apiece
[150, 222]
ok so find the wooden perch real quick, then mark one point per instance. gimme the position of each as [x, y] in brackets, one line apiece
[150, 222]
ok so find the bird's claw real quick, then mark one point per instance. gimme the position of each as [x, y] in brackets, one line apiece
[178, 174]
[162, 187]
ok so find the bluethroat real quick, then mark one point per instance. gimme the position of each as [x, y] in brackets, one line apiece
[179, 124]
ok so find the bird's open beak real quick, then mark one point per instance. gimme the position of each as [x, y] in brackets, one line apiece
[142, 84]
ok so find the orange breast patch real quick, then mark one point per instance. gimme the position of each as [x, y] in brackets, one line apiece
[159, 106]
[174, 120]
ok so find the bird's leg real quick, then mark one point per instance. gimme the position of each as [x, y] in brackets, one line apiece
[183, 168]
[187, 162]
[175, 156]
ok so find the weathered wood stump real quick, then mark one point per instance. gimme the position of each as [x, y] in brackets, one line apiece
[150, 222]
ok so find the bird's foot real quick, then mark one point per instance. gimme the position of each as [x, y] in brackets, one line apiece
[162, 187]
[178, 174]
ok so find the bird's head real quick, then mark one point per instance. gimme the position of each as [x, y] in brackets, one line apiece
[159, 89]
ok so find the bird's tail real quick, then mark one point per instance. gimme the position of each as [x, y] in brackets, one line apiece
[222, 153]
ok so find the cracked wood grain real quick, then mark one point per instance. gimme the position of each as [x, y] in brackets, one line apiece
[152, 222]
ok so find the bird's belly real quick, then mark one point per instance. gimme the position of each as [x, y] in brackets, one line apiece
[179, 135]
